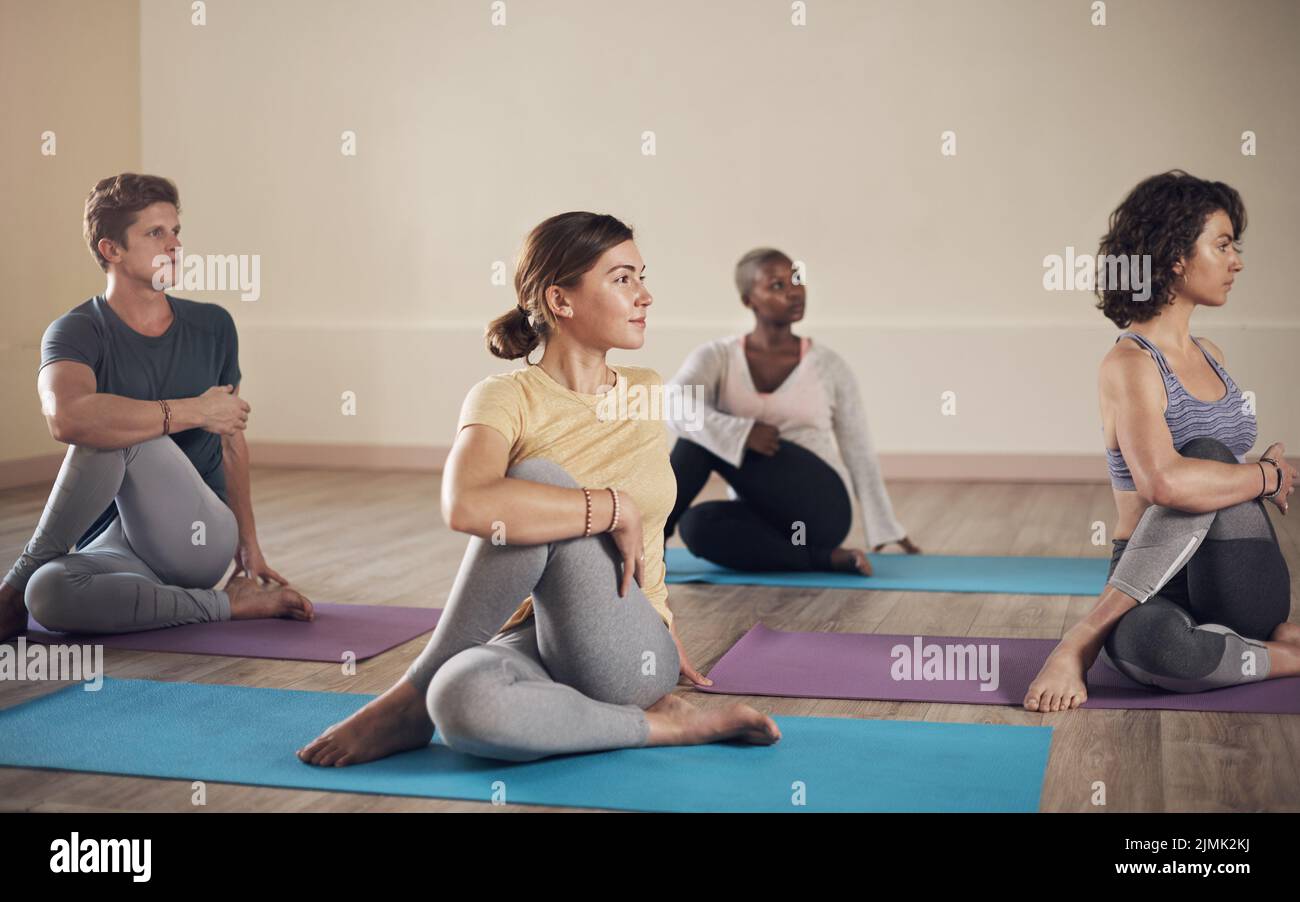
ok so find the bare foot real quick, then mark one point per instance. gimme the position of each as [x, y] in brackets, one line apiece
[1287, 632]
[394, 722]
[1059, 686]
[904, 543]
[850, 560]
[1284, 651]
[250, 601]
[13, 613]
[675, 721]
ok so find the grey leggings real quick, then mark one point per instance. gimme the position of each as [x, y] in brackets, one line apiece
[1212, 586]
[574, 678]
[155, 563]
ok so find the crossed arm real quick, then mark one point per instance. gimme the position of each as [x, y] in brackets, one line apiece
[78, 414]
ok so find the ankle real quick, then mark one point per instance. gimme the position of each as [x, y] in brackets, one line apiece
[9, 596]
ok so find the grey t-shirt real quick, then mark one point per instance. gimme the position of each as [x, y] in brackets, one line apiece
[199, 350]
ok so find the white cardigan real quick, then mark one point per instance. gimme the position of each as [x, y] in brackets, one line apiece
[724, 434]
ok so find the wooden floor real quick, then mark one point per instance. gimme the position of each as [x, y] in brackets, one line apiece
[378, 539]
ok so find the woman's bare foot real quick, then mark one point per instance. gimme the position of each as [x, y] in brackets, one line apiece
[250, 601]
[1287, 632]
[13, 613]
[904, 543]
[1283, 656]
[396, 721]
[675, 721]
[850, 560]
[1059, 686]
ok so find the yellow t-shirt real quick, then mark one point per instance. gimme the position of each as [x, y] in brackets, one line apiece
[627, 449]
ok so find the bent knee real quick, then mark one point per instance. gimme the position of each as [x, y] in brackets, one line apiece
[1208, 448]
[697, 524]
[461, 699]
[539, 469]
[50, 597]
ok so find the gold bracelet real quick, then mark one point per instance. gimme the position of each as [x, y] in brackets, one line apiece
[586, 493]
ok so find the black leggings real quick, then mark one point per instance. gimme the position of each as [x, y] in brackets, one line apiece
[760, 531]
[1203, 628]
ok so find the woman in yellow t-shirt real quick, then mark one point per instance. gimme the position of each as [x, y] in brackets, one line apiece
[556, 637]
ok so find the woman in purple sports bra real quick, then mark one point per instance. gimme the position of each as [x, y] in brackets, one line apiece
[1199, 592]
[782, 421]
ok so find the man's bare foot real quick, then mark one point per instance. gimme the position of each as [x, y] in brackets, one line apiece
[13, 612]
[1059, 686]
[675, 721]
[850, 560]
[396, 721]
[251, 601]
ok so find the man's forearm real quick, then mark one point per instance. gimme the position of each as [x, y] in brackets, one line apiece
[234, 460]
[107, 421]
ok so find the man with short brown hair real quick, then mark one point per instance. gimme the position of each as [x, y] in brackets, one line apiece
[154, 491]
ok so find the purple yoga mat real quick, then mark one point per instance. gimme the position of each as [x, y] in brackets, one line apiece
[858, 666]
[363, 629]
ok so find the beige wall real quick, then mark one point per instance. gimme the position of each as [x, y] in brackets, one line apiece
[72, 68]
[924, 271]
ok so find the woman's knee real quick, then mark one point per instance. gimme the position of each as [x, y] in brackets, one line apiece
[686, 453]
[539, 469]
[1208, 448]
[464, 703]
[701, 527]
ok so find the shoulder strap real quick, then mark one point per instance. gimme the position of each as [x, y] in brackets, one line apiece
[1160, 358]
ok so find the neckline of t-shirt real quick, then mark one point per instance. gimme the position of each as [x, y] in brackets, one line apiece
[805, 347]
[591, 400]
[153, 339]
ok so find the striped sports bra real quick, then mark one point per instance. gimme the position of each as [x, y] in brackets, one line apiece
[1188, 417]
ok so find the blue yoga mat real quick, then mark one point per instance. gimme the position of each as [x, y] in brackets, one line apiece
[237, 734]
[918, 573]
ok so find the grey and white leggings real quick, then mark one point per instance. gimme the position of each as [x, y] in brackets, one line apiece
[153, 566]
[576, 677]
[1211, 587]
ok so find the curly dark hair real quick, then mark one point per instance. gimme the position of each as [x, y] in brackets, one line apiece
[1162, 217]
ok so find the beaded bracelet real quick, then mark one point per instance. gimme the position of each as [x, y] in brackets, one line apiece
[586, 493]
[614, 523]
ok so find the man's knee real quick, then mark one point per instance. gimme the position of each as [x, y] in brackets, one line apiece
[1207, 448]
[539, 469]
[49, 597]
